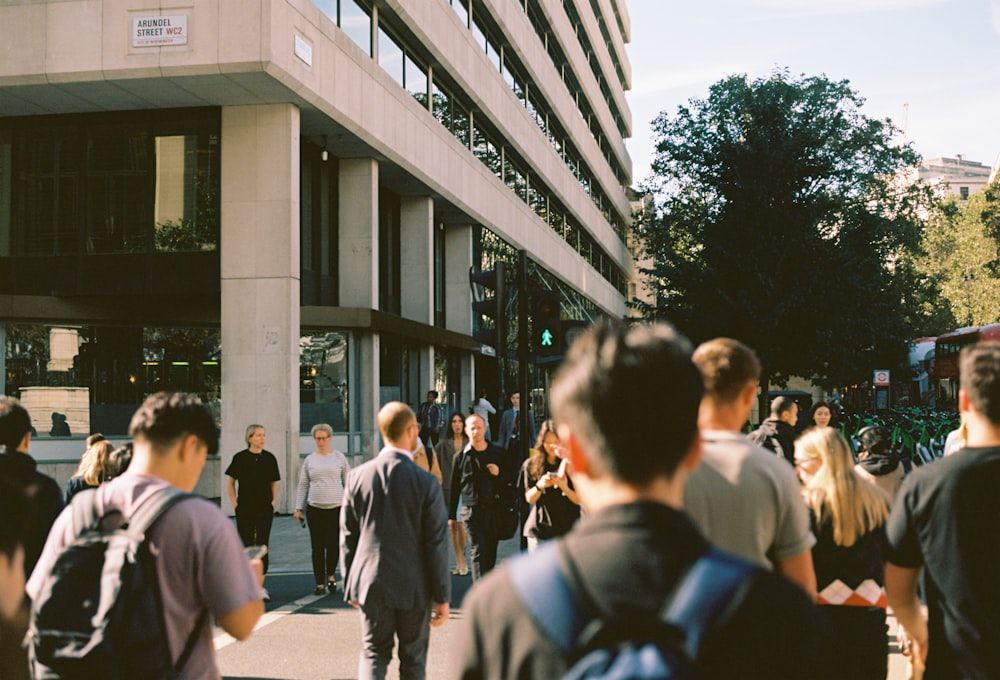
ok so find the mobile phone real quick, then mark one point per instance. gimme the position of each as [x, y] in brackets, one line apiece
[256, 552]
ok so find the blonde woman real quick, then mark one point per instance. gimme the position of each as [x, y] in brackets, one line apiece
[253, 489]
[93, 466]
[848, 516]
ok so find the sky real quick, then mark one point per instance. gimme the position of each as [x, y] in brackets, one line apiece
[932, 66]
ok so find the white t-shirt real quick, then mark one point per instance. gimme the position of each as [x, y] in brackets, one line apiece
[201, 563]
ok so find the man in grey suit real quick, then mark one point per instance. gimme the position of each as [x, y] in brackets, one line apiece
[394, 546]
[511, 437]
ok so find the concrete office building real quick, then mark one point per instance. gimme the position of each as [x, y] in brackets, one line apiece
[277, 204]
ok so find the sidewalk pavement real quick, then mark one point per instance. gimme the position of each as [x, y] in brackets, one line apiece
[303, 636]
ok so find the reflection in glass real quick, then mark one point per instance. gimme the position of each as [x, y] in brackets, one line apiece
[117, 189]
[390, 56]
[47, 169]
[186, 201]
[415, 78]
[323, 373]
[356, 22]
[96, 376]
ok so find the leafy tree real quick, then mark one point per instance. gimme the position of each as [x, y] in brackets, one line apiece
[959, 252]
[778, 221]
[990, 217]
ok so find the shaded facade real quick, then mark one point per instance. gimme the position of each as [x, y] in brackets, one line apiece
[277, 205]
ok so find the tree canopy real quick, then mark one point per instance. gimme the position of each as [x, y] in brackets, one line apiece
[779, 221]
[960, 245]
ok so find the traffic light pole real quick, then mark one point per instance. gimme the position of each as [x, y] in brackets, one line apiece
[523, 350]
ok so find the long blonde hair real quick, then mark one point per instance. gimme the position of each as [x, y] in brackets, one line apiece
[94, 462]
[836, 492]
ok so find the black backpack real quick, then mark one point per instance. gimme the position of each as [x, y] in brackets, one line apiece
[662, 647]
[99, 612]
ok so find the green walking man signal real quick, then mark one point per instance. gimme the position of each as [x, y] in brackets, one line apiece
[546, 324]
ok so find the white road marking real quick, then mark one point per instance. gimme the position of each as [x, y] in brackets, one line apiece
[223, 639]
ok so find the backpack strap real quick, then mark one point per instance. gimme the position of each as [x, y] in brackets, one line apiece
[709, 593]
[541, 585]
[84, 508]
[705, 596]
[142, 518]
[153, 506]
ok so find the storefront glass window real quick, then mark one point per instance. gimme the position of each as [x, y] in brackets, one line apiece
[323, 380]
[76, 379]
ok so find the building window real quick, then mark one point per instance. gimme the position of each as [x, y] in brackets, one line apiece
[439, 276]
[323, 385]
[319, 227]
[138, 183]
[389, 252]
[356, 22]
[390, 55]
[964, 193]
[92, 378]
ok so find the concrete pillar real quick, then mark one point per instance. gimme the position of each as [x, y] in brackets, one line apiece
[417, 275]
[369, 401]
[260, 286]
[358, 223]
[417, 258]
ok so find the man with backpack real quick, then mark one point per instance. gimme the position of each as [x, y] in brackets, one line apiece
[634, 578]
[190, 563]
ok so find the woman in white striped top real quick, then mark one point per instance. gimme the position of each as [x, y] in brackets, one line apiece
[321, 492]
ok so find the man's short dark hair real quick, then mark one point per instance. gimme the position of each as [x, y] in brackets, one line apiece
[727, 366]
[165, 418]
[780, 405]
[631, 397]
[876, 440]
[979, 372]
[14, 422]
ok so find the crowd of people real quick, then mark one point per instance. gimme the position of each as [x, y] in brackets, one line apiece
[633, 486]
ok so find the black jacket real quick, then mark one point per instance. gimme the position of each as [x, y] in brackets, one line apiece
[45, 501]
[776, 435]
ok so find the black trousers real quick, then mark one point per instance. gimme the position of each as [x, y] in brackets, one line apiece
[481, 529]
[254, 526]
[862, 640]
[324, 537]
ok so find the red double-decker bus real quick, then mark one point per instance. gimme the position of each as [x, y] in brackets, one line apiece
[946, 349]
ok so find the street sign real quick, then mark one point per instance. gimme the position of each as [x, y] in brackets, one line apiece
[881, 378]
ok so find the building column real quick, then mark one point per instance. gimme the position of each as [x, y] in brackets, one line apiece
[260, 286]
[358, 267]
[417, 275]
[458, 295]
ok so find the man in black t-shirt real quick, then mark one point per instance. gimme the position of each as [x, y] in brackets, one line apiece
[944, 522]
[630, 444]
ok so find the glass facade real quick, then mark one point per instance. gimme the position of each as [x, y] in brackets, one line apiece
[136, 192]
[79, 379]
[324, 370]
[91, 378]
